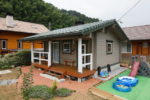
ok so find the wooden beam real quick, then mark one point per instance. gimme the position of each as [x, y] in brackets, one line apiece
[80, 69]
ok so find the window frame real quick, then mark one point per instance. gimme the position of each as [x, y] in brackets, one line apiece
[69, 49]
[107, 43]
[2, 44]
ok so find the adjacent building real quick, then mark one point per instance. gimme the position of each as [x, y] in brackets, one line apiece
[12, 30]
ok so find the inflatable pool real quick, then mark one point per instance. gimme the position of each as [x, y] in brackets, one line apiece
[120, 86]
[128, 80]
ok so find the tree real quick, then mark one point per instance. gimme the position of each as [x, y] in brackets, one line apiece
[38, 11]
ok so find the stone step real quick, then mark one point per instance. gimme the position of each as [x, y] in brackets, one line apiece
[52, 77]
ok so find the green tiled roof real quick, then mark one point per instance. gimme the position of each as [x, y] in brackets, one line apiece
[78, 30]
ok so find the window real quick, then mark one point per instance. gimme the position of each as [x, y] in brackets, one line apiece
[145, 44]
[67, 47]
[4, 44]
[128, 47]
[19, 44]
[109, 47]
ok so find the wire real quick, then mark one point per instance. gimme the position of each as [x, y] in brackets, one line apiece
[129, 9]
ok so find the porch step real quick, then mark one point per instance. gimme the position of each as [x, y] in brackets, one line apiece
[52, 77]
[57, 75]
[46, 68]
[53, 74]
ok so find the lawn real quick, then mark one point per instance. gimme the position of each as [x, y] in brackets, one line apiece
[139, 92]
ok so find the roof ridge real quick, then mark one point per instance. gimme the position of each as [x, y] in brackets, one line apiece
[84, 24]
[136, 26]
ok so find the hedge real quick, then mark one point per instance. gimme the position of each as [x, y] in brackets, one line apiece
[19, 58]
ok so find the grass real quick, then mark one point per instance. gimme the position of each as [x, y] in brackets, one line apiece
[9, 93]
[139, 92]
[13, 75]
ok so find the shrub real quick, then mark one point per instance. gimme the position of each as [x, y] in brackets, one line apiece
[54, 87]
[23, 58]
[27, 84]
[40, 91]
[62, 92]
[15, 59]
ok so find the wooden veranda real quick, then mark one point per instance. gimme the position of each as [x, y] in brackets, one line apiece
[64, 71]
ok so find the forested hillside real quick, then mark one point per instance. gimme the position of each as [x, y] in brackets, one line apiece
[38, 11]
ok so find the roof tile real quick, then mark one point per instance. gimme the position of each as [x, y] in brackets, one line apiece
[138, 32]
[21, 26]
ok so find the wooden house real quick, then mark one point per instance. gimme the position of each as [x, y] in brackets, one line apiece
[139, 43]
[12, 30]
[77, 51]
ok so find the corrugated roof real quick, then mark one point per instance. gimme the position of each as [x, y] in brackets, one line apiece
[138, 32]
[72, 31]
[21, 26]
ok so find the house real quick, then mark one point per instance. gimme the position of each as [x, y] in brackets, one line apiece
[77, 51]
[12, 30]
[139, 43]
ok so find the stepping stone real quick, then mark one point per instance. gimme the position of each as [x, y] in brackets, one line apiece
[5, 71]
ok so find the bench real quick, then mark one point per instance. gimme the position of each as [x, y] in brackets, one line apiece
[72, 62]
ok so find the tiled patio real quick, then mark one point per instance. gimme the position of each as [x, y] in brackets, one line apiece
[73, 85]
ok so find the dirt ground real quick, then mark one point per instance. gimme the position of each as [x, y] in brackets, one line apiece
[79, 96]
[9, 93]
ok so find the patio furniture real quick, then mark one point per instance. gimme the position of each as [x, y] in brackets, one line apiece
[72, 62]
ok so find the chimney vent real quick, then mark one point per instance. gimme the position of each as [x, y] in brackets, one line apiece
[10, 21]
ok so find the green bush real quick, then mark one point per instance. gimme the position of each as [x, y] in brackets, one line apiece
[63, 92]
[40, 91]
[15, 59]
[23, 58]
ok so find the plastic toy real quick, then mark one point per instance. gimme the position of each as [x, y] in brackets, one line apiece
[125, 83]
[104, 74]
[120, 86]
[128, 81]
[135, 68]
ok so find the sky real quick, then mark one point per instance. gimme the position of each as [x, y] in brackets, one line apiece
[109, 9]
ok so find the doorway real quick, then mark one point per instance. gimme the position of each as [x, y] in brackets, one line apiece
[55, 52]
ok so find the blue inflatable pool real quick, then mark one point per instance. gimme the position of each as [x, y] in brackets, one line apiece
[120, 86]
[128, 81]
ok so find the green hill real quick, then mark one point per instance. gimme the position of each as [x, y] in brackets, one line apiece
[38, 11]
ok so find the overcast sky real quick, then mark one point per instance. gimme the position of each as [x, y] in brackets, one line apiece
[109, 9]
